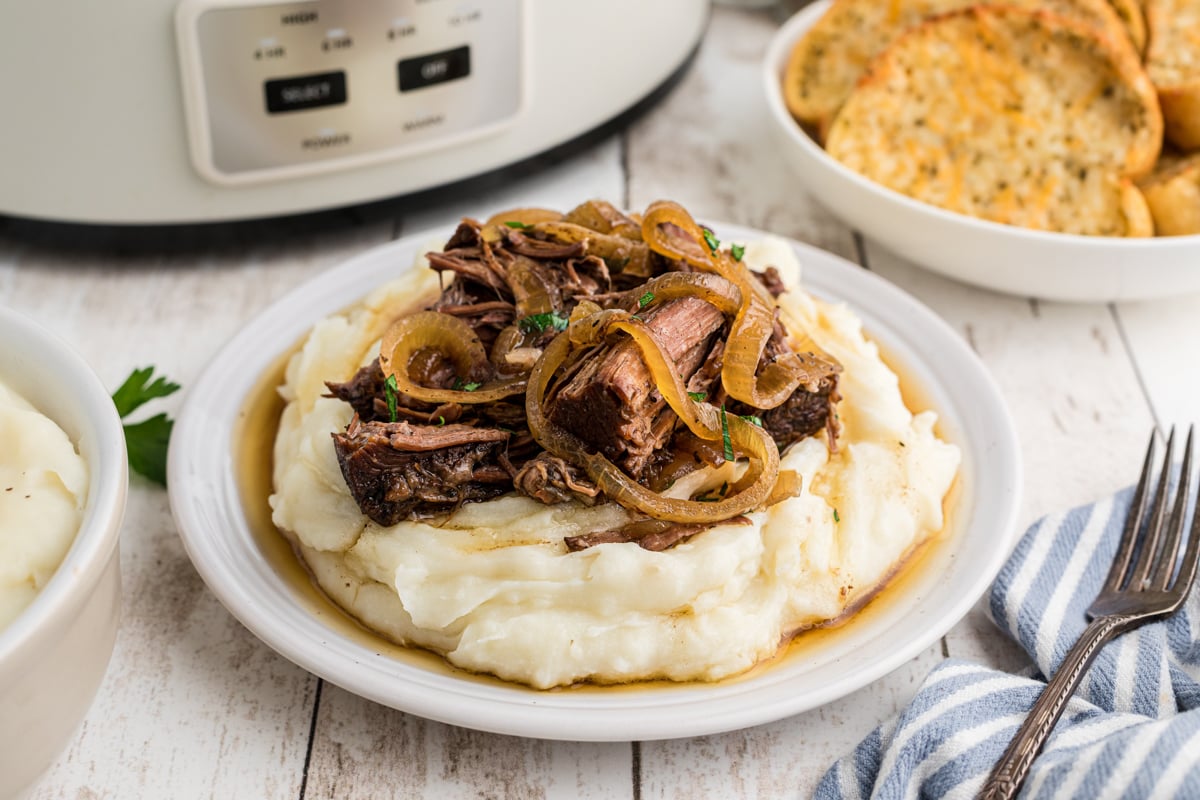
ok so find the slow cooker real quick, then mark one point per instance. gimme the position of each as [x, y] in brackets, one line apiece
[142, 111]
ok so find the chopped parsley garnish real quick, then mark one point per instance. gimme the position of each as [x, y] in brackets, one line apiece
[737, 251]
[512, 223]
[468, 386]
[710, 239]
[146, 441]
[536, 323]
[753, 420]
[699, 397]
[725, 435]
[836, 518]
[390, 390]
[441, 420]
[645, 299]
[714, 495]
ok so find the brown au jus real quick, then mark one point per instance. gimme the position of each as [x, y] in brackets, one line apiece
[516, 283]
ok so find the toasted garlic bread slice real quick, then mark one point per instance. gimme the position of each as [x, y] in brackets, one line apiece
[1173, 194]
[1173, 61]
[1011, 115]
[1130, 12]
[833, 55]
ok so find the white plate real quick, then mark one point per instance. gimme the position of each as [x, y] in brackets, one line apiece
[1053, 266]
[218, 536]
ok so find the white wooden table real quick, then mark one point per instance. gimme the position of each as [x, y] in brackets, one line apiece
[194, 706]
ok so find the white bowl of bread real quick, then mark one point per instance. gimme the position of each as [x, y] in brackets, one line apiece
[1039, 149]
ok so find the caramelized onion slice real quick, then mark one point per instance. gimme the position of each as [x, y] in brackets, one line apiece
[453, 337]
[787, 486]
[532, 294]
[510, 339]
[619, 253]
[710, 288]
[603, 217]
[524, 216]
[669, 230]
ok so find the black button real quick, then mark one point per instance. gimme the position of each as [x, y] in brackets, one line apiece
[434, 68]
[307, 91]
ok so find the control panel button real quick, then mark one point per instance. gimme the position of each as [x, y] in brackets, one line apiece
[305, 91]
[434, 68]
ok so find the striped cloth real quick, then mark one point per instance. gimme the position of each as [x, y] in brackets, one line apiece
[1131, 731]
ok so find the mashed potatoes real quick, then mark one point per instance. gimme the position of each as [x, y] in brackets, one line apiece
[495, 590]
[43, 487]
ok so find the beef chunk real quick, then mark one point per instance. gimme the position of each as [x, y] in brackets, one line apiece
[803, 414]
[771, 280]
[398, 471]
[361, 390]
[365, 393]
[649, 534]
[549, 479]
[612, 404]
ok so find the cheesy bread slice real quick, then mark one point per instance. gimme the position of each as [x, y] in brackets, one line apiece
[1016, 116]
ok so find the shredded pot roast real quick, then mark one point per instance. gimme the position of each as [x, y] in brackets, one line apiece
[586, 356]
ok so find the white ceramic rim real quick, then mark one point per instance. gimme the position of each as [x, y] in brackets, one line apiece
[97, 434]
[204, 500]
[777, 53]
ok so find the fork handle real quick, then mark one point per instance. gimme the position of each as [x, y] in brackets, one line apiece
[1010, 771]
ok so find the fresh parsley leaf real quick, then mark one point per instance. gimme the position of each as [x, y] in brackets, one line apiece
[465, 386]
[714, 495]
[753, 420]
[645, 299]
[725, 435]
[737, 251]
[710, 239]
[536, 323]
[699, 397]
[139, 389]
[512, 223]
[146, 442]
[836, 518]
[390, 391]
[441, 420]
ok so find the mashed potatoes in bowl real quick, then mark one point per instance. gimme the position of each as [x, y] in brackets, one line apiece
[43, 488]
[493, 587]
[63, 479]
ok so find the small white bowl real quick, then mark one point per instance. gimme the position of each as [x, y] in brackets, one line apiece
[54, 654]
[1052, 266]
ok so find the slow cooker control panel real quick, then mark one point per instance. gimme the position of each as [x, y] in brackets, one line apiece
[275, 90]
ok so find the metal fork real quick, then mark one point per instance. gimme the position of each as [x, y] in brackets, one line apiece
[1141, 586]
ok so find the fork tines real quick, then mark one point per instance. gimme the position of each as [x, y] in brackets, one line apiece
[1148, 562]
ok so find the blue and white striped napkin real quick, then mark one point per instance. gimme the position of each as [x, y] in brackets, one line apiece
[1132, 730]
